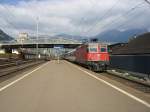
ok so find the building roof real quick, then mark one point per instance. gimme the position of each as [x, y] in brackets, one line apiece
[138, 45]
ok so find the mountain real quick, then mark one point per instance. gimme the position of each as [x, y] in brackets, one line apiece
[112, 36]
[4, 36]
[108, 36]
[119, 36]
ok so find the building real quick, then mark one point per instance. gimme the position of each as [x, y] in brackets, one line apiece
[22, 37]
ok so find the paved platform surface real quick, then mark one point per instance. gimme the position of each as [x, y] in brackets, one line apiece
[62, 87]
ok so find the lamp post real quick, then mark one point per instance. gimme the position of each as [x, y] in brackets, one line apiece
[37, 36]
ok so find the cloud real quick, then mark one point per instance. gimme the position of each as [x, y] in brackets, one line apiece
[76, 17]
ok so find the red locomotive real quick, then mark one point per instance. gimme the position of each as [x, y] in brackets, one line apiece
[93, 55]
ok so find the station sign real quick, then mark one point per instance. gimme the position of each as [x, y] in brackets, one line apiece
[58, 46]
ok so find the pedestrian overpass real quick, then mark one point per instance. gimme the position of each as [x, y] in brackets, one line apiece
[42, 43]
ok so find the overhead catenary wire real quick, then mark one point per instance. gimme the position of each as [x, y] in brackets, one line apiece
[11, 16]
[117, 18]
[124, 14]
[83, 19]
[147, 2]
[107, 12]
[8, 18]
[132, 15]
[131, 19]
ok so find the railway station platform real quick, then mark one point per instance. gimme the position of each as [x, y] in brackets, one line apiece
[65, 87]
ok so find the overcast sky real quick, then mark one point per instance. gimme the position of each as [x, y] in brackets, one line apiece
[75, 17]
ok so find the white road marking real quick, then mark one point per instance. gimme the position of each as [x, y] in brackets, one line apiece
[113, 86]
[8, 85]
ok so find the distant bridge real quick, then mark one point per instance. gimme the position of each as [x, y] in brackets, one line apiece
[42, 43]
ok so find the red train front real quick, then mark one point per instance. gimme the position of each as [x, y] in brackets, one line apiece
[93, 55]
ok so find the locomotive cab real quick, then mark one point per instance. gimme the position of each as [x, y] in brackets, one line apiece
[97, 56]
[92, 48]
[103, 50]
[92, 52]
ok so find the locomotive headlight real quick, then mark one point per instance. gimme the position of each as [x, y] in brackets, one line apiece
[99, 55]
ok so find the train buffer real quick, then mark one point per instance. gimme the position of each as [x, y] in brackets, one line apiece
[66, 87]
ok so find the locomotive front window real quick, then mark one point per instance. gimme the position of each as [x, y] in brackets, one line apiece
[92, 49]
[103, 49]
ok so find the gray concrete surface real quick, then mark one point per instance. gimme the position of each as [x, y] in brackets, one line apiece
[63, 88]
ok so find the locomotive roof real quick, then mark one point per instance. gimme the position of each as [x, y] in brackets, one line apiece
[139, 45]
[86, 44]
[95, 44]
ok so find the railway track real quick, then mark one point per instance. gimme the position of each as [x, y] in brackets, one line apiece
[14, 66]
[14, 63]
[129, 82]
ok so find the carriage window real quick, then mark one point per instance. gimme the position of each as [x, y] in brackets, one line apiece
[92, 49]
[103, 49]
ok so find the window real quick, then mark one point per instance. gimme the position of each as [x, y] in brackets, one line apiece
[92, 49]
[103, 49]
